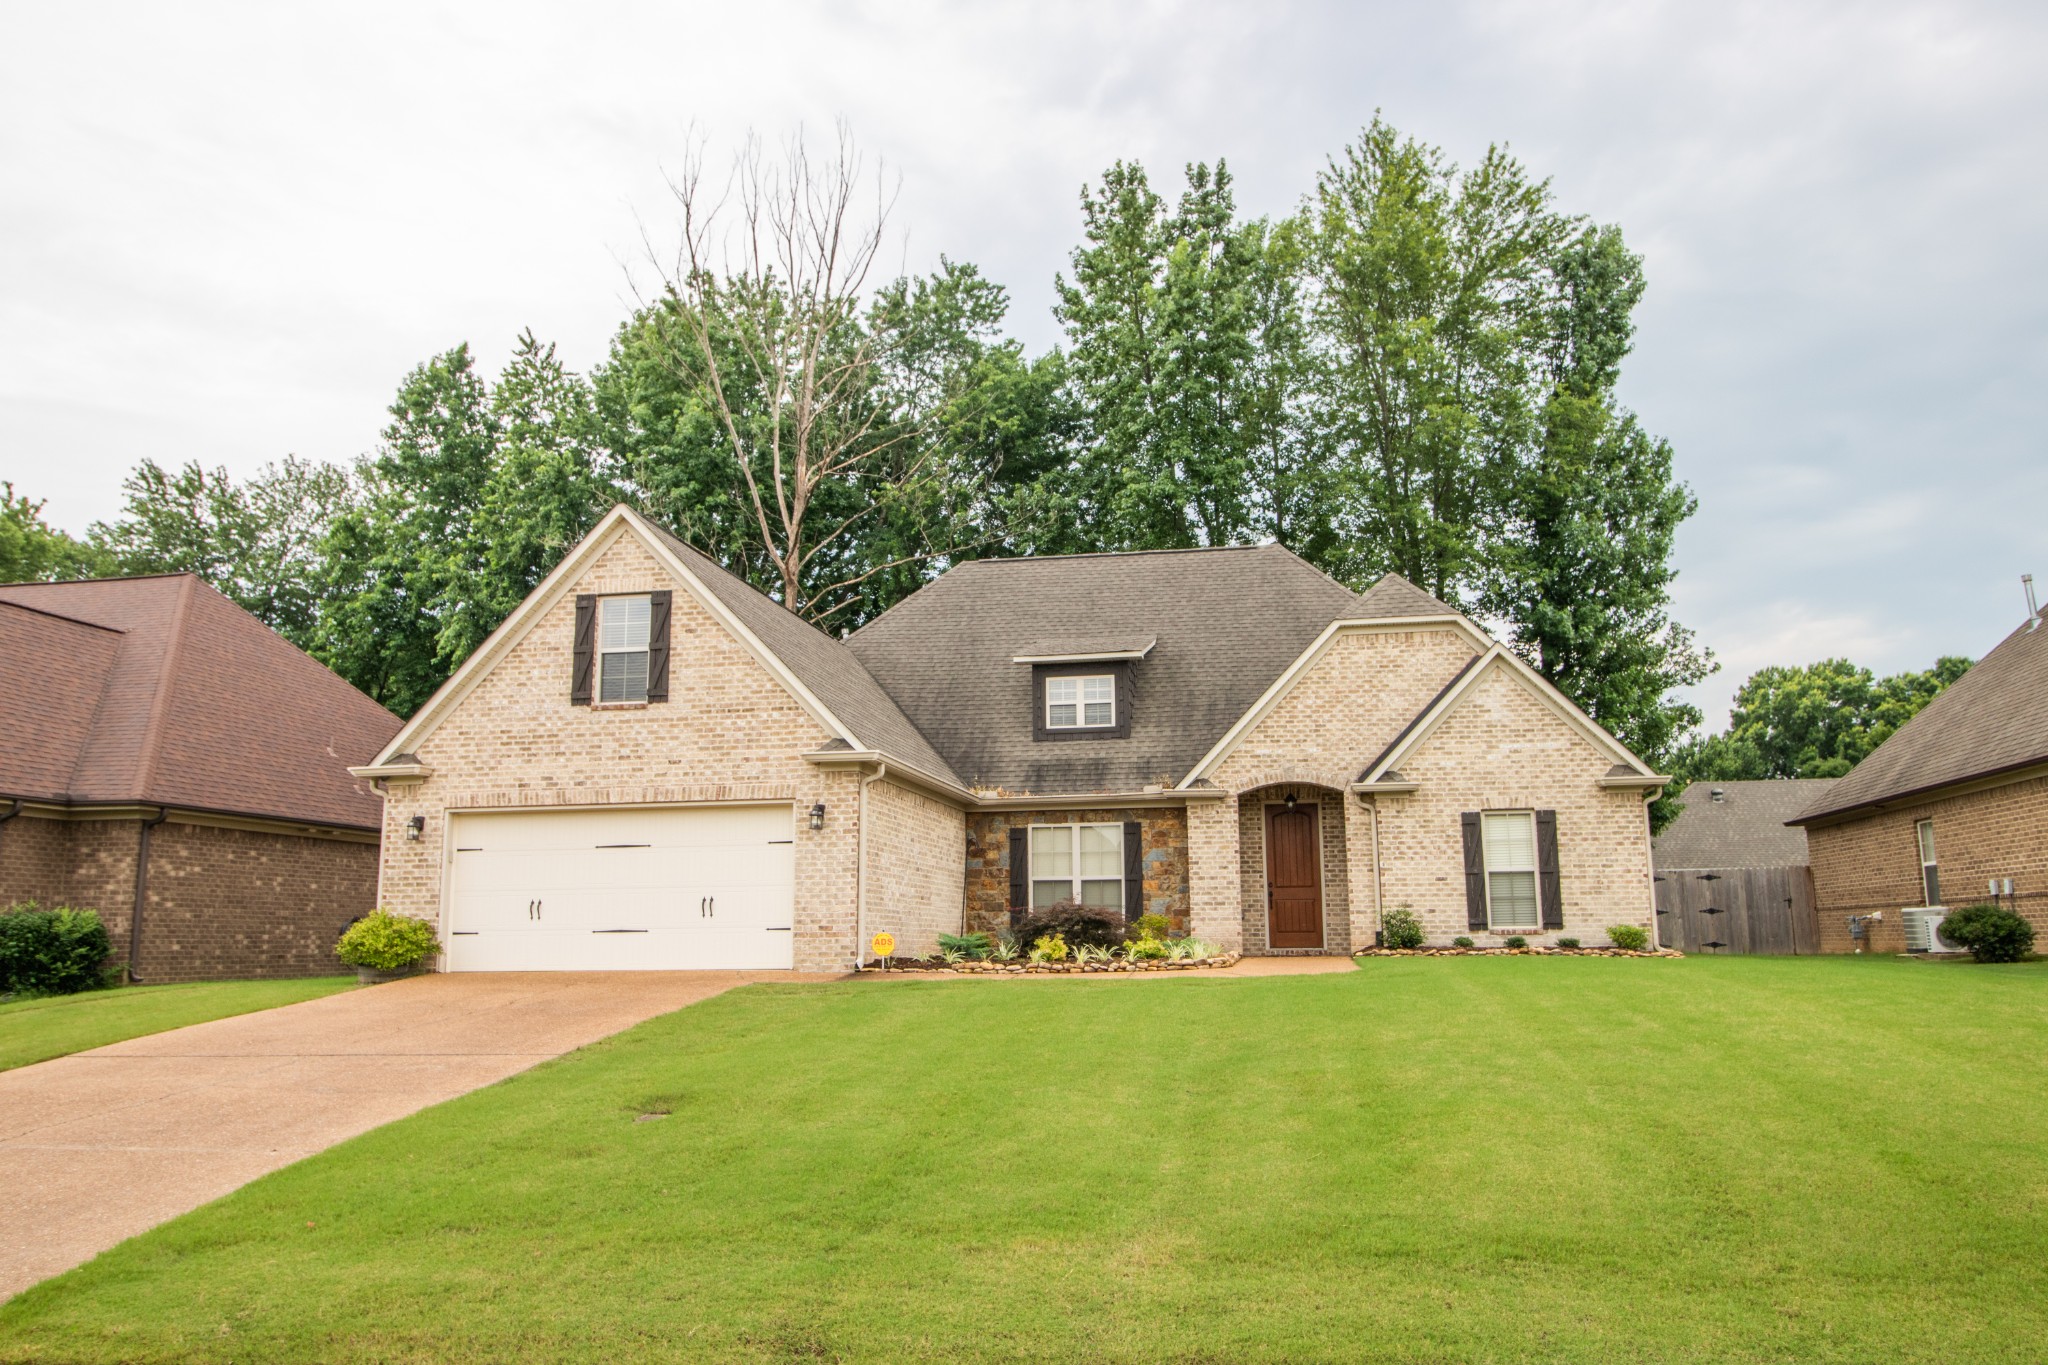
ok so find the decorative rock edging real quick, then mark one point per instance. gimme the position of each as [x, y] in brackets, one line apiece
[1058, 968]
[1517, 952]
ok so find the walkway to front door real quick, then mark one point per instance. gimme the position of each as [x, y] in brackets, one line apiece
[1294, 879]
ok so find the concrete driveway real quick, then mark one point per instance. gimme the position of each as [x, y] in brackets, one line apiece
[101, 1145]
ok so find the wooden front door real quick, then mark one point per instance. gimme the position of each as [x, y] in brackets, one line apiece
[1294, 878]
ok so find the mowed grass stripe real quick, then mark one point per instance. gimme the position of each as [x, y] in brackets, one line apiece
[56, 1026]
[1424, 1160]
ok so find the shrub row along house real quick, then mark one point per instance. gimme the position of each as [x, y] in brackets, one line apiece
[169, 761]
[1947, 812]
[650, 764]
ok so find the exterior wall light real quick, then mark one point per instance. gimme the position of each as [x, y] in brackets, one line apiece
[414, 828]
[818, 816]
[1290, 800]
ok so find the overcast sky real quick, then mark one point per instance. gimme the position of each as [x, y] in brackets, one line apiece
[227, 232]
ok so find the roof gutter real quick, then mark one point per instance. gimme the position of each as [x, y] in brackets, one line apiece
[1961, 786]
[141, 893]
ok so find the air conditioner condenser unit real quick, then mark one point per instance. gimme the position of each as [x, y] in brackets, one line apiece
[1923, 931]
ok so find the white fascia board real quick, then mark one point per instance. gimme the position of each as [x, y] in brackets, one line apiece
[1375, 625]
[1098, 657]
[896, 767]
[620, 521]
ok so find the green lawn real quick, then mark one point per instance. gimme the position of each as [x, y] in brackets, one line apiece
[1477, 1159]
[37, 1030]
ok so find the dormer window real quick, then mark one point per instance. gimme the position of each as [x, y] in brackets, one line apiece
[622, 637]
[1087, 702]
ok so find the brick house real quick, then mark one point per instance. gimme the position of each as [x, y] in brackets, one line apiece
[1956, 799]
[170, 761]
[650, 764]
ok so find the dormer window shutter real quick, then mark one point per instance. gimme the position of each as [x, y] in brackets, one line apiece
[1475, 872]
[584, 649]
[658, 604]
[1549, 888]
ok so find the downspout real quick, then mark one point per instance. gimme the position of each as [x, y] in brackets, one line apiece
[1378, 888]
[141, 893]
[860, 873]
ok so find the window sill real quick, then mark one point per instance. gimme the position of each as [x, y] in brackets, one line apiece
[619, 705]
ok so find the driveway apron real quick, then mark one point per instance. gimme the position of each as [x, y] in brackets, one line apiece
[101, 1145]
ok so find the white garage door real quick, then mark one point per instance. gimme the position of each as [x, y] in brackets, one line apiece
[618, 890]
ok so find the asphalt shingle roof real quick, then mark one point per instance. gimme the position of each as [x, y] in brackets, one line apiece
[1992, 719]
[161, 691]
[1745, 828]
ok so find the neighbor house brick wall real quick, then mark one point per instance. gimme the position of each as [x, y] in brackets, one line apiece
[1165, 860]
[222, 903]
[916, 867]
[730, 732]
[1331, 849]
[1504, 748]
[1873, 863]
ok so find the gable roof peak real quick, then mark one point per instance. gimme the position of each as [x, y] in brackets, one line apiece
[1394, 595]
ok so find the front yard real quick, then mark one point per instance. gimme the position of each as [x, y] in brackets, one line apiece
[58, 1025]
[1499, 1159]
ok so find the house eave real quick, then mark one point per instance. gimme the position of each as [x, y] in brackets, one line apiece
[1920, 796]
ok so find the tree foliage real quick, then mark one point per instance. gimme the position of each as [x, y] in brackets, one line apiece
[33, 551]
[1813, 720]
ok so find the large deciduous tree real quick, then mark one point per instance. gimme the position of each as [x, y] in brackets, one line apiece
[33, 551]
[1813, 720]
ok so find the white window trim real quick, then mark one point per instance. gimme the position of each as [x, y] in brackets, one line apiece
[1081, 703]
[1074, 880]
[1921, 848]
[1535, 870]
[597, 662]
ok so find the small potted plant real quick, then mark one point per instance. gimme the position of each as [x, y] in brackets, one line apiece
[382, 946]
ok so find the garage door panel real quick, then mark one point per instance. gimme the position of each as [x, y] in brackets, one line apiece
[653, 888]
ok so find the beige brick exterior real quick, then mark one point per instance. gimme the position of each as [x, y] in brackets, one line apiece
[916, 867]
[1873, 864]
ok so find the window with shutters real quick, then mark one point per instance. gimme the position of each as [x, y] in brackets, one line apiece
[1509, 841]
[1083, 863]
[1930, 873]
[622, 626]
[1081, 703]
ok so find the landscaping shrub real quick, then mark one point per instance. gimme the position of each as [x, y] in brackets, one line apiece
[1515, 941]
[385, 942]
[1148, 950]
[1073, 923]
[973, 947]
[1992, 933]
[52, 952]
[1051, 948]
[1567, 943]
[1400, 929]
[1633, 937]
[1152, 927]
[1461, 942]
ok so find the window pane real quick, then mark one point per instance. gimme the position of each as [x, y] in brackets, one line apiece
[1098, 689]
[1510, 841]
[624, 623]
[1061, 717]
[1103, 895]
[1101, 713]
[623, 677]
[1514, 900]
[1052, 851]
[1926, 829]
[1102, 850]
[1932, 880]
[1062, 689]
[1044, 894]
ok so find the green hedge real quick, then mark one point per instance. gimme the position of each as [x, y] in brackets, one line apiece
[386, 942]
[52, 952]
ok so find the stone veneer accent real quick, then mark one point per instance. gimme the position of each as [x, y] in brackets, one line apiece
[988, 859]
[1873, 863]
[223, 903]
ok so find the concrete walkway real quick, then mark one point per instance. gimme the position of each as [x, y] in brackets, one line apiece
[101, 1145]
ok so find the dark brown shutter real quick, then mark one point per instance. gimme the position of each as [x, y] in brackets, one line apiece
[657, 644]
[1475, 872]
[1548, 889]
[585, 650]
[1020, 870]
[1134, 870]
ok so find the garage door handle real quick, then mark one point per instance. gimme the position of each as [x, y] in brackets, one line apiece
[778, 928]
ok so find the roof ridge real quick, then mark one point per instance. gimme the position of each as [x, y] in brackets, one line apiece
[1125, 554]
[174, 640]
[102, 578]
[55, 615]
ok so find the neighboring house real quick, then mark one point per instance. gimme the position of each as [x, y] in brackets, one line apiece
[650, 764]
[164, 752]
[1732, 875]
[1956, 799]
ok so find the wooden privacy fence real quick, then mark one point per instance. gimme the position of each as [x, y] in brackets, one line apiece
[1738, 910]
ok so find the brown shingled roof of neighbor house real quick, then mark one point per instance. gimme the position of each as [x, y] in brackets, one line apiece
[1745, 828]
[160, 691]
[1993, 719]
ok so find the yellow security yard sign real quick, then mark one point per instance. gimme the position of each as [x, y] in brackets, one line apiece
[883, 945]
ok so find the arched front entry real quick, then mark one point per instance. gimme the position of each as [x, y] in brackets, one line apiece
[1291, 840]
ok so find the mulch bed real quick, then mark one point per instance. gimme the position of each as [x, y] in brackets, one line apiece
[1516, 952]
[940, 966]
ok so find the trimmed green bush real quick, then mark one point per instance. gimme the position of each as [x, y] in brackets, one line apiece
[1567, 943]
[1051, 948]
[1147, 950]
[974, 947]
[52, 952]
[385, 942]
[1515, 941]
[1992, 933]
[1154, 927]
[1400, 929]
[1633, 937]
[1461, 942]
